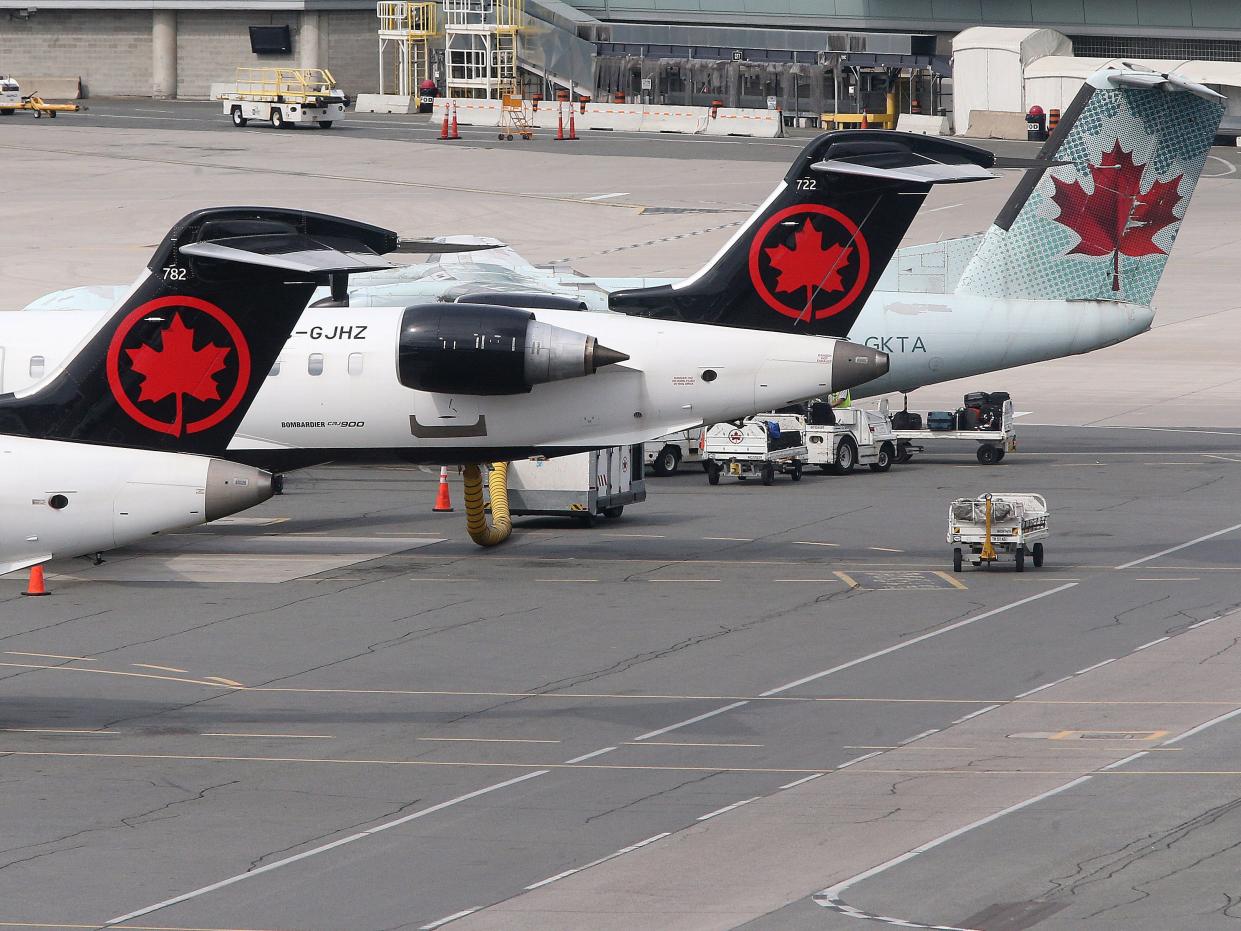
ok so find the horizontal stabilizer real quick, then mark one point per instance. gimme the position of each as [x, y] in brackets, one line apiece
[1145, 79]
[431, 247]
[925, 173]
[288, 252]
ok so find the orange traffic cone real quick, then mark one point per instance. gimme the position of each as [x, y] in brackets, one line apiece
[865, 121]
[36, 586]
[442, 501]
[454, 134]
[444, 128]
[560, 124]
[572, 137]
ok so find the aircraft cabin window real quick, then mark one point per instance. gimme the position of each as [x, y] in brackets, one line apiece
[355, 363]
[275, 369]
[36, 366]
[315, 364]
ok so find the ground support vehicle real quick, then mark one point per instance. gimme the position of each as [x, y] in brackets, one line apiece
[753, 447]
[583, 486]
[12, 100]
[285, 96]
[858, 436]
[515, 119]
[10, 95]
[664, 454]
[998, 527]
[993, 444]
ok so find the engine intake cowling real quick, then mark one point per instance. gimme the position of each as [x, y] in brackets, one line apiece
[488, 350]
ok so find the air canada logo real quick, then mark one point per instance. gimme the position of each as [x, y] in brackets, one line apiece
[809, 262]
[178, 365]
[1115, 217]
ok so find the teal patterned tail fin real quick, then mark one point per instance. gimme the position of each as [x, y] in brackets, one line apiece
[1100, 225]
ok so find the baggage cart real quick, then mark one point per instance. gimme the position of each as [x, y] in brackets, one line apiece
[598, 483]
[994, 441]
[756, 446]
[286, 97]
[998, 527]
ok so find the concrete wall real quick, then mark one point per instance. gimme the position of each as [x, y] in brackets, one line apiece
[110, 51]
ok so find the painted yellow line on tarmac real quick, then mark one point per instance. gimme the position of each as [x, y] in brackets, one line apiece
[847, 579]
[115, 672]
[780, 770]
[223, 681]
[951, 580]
[126, 926]
[84, 659]
[683, 580]
[566, 580]
[160, 668]
[834, 581]
[1171, 579]
[732, 539]
[493, 740]
[675, 743]
[56, 730]
[280, 736]
[884, 549]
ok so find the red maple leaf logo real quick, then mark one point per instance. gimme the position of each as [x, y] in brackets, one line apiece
[808, 264]
[178, 369]
[1117, 218]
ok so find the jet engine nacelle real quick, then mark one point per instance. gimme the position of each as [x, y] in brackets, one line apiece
[488, 350]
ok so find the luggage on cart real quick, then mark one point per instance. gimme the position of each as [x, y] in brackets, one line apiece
[968, 418]
[941, 421]
[997, 398]
[820, 414]
[906, 420]
[976, 399]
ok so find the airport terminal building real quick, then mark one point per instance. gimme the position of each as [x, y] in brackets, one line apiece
[807, 57]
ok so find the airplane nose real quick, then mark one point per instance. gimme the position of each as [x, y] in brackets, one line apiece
[854, 364]
[232, 488]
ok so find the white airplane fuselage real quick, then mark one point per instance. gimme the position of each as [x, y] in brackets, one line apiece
[66, 499]
[933, 338]
[335, 391]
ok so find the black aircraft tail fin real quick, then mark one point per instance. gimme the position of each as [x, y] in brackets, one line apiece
[176, 366]
[808, 258]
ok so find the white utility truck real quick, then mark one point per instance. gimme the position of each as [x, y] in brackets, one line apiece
[839, 439]
[10, 95]
[584, 485]
[994, 436]
[998, 527]
[285, 96]
[756, 446]
[665, 454]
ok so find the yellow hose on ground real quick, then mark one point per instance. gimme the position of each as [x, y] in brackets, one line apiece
[475, 512]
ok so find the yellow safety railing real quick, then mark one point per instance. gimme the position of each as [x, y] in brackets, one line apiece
[401, 16]
[291, 84]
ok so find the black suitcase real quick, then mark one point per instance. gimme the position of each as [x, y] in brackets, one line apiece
[997, 397]
[976, 399]
[967, 418]
[906, 420]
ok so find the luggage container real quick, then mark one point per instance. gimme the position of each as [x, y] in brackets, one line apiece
[583, 486]
[998, 527]
[753, 448]
[993, 431]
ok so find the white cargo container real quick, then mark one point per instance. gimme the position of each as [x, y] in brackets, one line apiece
[583, 486]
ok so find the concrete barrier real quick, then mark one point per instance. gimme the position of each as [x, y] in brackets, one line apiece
[51, 88]
[626, 117]
[923, 125]
[385, 103]
[996, 124]
[219, 90]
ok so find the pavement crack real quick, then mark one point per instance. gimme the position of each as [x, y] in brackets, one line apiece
[146, 816]
[886, 814]
[647, 798]
[395, 813]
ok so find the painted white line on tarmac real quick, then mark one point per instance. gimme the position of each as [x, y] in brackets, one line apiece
[1081, 672]
[590, 756]
[1201, 623]
[688, 721]
[974, 714]
[859, 759]
[607, 196]
[612, 856]
[904, 645]
[915, 737]
[1045, 685]
[720, 811]
[361, 835]
[453, 917]
[1129, 759]
[1151, 644]
[797, 782]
